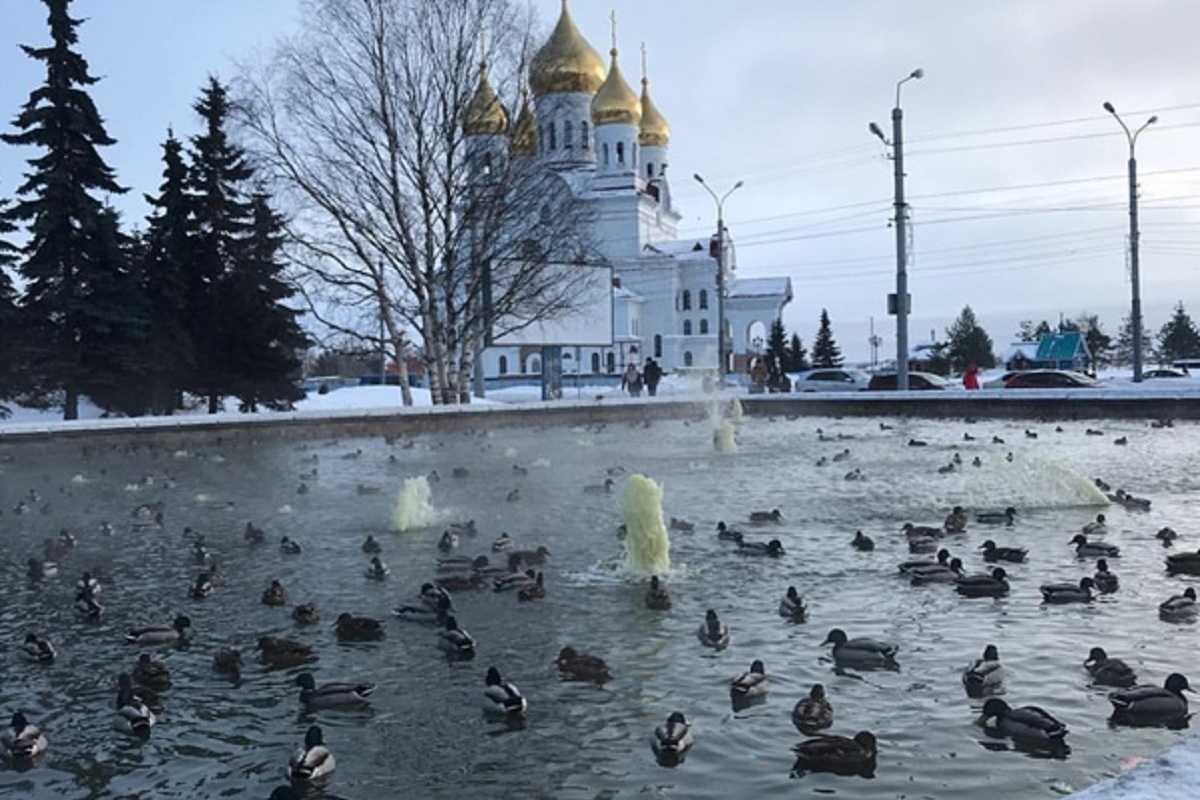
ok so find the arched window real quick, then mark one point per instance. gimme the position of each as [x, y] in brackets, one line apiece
[553, 136]
[687, 300]
[604, 148]
[620, 152]
[703, 299]
[687, 358]
[658, 345]
[486, 162]
[703, 326]
[595, 363]
[585, 141]
[503, 365]
[687, 327]
[535, 365]
[610, 363]
[568, 136]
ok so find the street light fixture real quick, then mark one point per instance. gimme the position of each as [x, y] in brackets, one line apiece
[1135, 316]
[899, 305]
[722, 359]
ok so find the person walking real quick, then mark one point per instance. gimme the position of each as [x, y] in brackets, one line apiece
[651, 374]
[631, 380]
[970, 378]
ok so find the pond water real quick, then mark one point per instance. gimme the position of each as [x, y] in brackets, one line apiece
[425, 736]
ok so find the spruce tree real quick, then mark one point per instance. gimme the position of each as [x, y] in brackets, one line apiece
[1178, 338]
[797, 355]
[776, 354]
[57, 203]
[10, 329]
[1123, 348]
[968, 343]
[1099, 343]
[825, 352]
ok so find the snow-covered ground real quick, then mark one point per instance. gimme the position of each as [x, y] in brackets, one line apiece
[1171, 775]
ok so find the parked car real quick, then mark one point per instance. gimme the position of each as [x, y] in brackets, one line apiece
[882, 381]
[831, 380]
[1000, 381]
[1052, 379]
[1164, 372]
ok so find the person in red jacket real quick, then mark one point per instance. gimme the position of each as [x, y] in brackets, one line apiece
[971, 377]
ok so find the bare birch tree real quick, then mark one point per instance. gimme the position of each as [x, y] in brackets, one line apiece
[360, 121]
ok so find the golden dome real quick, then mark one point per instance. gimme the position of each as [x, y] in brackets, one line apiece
[486, 115]
[615, 103]
[654, 130]
[566, 62]
[524, 132]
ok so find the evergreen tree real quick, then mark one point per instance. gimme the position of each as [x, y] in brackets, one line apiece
[1178, 338]
[64, 218]
[825, 352]
[1099, 343]
[776, 354]
[968, 343]
[1034, 333]
[10, 329]
[222, 219]
[1123, 349]
[797, 355]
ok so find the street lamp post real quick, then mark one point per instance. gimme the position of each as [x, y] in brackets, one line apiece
[1135, 316]
[901, 300]
[722, 359]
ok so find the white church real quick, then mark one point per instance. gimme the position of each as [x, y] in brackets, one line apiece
[612, 149]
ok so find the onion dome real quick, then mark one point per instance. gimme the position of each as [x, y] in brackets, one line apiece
[616, 103]
[486, 115]
[524, 133]
[566, 62]
[654, 130]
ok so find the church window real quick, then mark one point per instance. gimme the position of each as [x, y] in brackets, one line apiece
[687, 358]
[605, 151]
[687, 327]
[703, 299]
[649, 170]
[634, 159]
[595, 363]
[610, 363]
[704, 325]
[553, 136]
[568, 136]
[687, 300]
[620, 152]
[503, 365]
[535, 365]
[584, 139]
[658, 345]
[487, 164]
[542, 138]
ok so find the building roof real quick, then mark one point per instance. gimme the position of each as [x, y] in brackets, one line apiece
[761, 287]
[1061, 346]
[1026, 350]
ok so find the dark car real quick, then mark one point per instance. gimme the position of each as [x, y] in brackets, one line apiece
[1164, 372]
[883, 381]
[1052, 379]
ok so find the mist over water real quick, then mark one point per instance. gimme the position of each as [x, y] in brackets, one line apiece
[425, 733]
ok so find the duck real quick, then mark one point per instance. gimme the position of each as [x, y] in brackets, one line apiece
[727, 534]
[1121, 440]
[657, 596]
[937, 573]
[1106, 582]
[1086, 549]
[228, 662]
[460, 563]
[911, 530]
[855, 474]
[513, 580]
[1151, 705]
[1030, 434]
[681, 525]
[279, 653]
[40, 569]
[502, 698]
[332, 695]
[947, 469]
[1167, 536]
[976, 462]
[200, 553]
[377, 570]
[751, 684]
[907, 567]
[1107, 671]
[1094, 432]
[22, 741]
[837, 754]
[861, 653]
[133, 714]
[151, 674]
[37, 649]
[1096, 527]
[992, 553]
[1069, 592]
[917, 443]
[1179, 607]
[1186, 563]
[202, 587]
[448, 542]
[997, 440]
[774, 515]
[274, 595]
[289, 547]
[713, 632]
[1132, 502]
[88, 584]
[464, 528]
[254, 534]
[306, 614]
[814, 712]
[600, 488]
[956, 520]
[673, 738]
[160, 634]
[577, 666]
[533, 591]
[87, 607]
[773, 548]
[863, 544]
[985, 675]
[994, 584]
[503, 542]
[313, 760]
[1028, 724]
[454, 641]
[357, 629]
[370, 546]
[842, 456]
[792, 606]
[424, 613]
[529, 558]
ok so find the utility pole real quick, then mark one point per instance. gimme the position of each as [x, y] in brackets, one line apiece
[722, 356]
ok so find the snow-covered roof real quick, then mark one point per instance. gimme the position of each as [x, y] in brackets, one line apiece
[761, 287]
[622, 292]
[681, 248]
[1027, 350]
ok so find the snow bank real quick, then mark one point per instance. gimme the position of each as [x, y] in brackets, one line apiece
[1171, 775]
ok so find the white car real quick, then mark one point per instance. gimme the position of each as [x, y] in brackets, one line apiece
[836, 379]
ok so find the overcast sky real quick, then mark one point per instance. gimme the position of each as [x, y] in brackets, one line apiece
[1016, 175]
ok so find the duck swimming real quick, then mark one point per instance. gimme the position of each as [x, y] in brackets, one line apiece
[254, 534]
[1096, 527]
[448, 542]
[600, 488]
[578, 666]
[772, 549]
[274, 595]
[1086, 549]
[377, 570]
[332, 695]
[672, 739]
[160, 634]
[502, 542]
[861, 653]
[993, 585]
[306, 614]
[1151, 705]
[313, 760]
[22, 741]
[151, 674]
[202, 587]
[1106, 582]
[911, 531]
[657, 597]
[681, 525]
[907, 567]
[133, 715]
[37, 649]
[837, 754]
[937, 573]
[502, 698]
[750, 685]
[370, 546]
[279, 653]
[289, 547]
[39, 569]
[992, 553]
[1184, 563]
[792, 606]
[774, 515]
[1167, 536]
[1179, 607]
[727, 534]
[956, 520]
[985, 675]
[1068, 592]
[1107, 671]
[814, 712]
[357, 629]
[713, 632]
[228, 662]
[88, 584]
[514, 580]
[87, 607]
[1029, 725]
[454, 641]
[863, 544]
[529, 558]
[533, 591]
